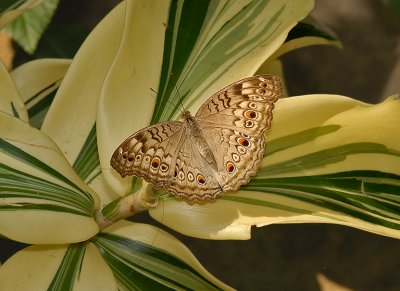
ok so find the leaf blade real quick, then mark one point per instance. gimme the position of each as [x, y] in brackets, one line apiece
[340, 164]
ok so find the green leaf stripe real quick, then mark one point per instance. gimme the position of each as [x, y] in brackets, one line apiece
[41, 100]
[180, 38]
[69, 269]
[14, 110]
[186, 56]
[87, 164]
[139, 266]
[325, 157]
[298, 138]
[8, 5]
[17, 184]
[368, 195]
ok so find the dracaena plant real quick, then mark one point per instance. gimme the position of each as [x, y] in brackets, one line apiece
[328, 159]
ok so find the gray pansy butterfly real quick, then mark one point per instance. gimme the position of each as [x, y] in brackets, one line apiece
[216, 150]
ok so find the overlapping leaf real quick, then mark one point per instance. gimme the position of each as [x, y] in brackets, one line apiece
[128, 256]
[40, 194]
[328, 159]
[196, 48]
[37, 81]
[10, 99]
[57, 267]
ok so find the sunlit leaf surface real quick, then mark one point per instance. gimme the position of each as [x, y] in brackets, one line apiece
[328, 159]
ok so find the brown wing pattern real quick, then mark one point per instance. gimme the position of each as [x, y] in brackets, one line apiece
[193, 179]
[149, 152]
[231, 124]
[238, 155]
[234, 122]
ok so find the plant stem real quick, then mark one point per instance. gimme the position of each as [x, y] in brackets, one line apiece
[145, 199]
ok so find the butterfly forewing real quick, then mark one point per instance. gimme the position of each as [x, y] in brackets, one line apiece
[234, 121]
[150, 152]
[264, 89]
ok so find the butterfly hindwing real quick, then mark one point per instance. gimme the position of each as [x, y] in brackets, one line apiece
[193, 179]
[237, 155]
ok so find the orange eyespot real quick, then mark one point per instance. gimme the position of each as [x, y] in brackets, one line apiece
[250, 114]
[230, 167]
[155, 163]
[200, 179]
[244, 142]
[181, 175]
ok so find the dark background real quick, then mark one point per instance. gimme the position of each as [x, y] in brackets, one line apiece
[288, 257]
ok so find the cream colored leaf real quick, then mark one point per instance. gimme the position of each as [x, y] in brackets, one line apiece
[39, 268]
[233, 39]
[329, 159]
[37, 185]
[156, 255]
[36, 76]
[73, 111]
[127, 101]
[37, 81]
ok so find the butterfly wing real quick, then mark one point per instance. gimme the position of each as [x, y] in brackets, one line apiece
[234, 122]
[149, 152]
[165, 155]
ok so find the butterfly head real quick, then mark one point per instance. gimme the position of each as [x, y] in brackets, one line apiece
[186, 115]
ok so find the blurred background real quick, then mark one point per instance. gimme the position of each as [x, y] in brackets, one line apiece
[305, 256]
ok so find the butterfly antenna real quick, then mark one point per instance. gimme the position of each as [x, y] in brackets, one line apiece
[170, 102]
[179, 95]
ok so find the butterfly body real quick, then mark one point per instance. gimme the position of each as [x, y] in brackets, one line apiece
[194, 132]
[216, 150]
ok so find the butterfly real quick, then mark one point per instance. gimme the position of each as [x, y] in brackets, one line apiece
[214, 151]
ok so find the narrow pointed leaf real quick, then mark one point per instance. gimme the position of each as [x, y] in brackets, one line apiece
[306, 33]
[10, 100]
[37, 81]
[71, 120]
